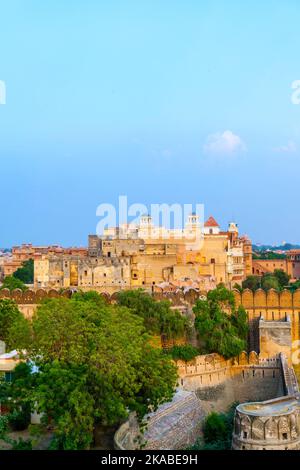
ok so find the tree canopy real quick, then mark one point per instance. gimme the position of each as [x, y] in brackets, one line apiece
[277, 280]
[26, 272]
[11, 283]
[12, 324]
[221, 326]
[158, 316]
[95, 364]
[294, 286]
[217, 431]
[252, 282]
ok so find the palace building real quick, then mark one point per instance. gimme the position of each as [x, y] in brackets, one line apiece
[145, 255]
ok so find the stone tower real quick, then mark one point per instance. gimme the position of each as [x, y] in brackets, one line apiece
[268, 425]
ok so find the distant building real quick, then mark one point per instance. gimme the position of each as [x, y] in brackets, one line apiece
[290, 265]
[25, 252]
[293, 263]
[145, 255]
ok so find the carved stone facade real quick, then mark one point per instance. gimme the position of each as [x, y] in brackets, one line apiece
[268, 425]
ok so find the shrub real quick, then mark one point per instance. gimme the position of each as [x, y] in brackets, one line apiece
[186, 352]
[19, 419]
[22, 444]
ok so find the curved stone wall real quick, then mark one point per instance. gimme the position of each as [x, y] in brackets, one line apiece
[175, 425]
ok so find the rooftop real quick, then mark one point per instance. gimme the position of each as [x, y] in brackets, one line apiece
[211, 222]
[275, 407]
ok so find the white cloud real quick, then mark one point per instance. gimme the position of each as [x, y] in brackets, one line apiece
[226, 143]
[290, 147]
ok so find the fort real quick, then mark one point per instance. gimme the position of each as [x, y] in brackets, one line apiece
[271, 305]
[211, 383]
[262, 379]
[263, 382]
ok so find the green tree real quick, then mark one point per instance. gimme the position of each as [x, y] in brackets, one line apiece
[16, 396]
[217, 431]
[95, 364]
[90, 295]
[294, 286]
[239, 320]
[26, 272]
[269, 281]
[252, 282]
[274, 280]
[158, 316]
[13, 325]
[11, 283]
[222, 328]
[282, 277]
[185, 352]
[214, 428]
[238, 287]
[62, 393]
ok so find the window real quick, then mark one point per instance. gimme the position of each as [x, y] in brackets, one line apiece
[245, 434]
[284, 436]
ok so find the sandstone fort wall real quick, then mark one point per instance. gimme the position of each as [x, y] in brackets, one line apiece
[271, 305]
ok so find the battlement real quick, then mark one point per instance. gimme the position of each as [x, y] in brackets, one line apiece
[270, 299]
[250, 300]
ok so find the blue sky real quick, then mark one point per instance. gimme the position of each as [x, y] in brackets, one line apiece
[164, 101]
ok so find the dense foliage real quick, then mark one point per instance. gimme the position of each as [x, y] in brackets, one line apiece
[217, 431]
[12, 324]
[277, 280]
[222, 328]
[185, 352]
[94, 364]
[294, 286]
[13, 397]
[159, 318]
[11, 283]
[268, 255]
[26, 272]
